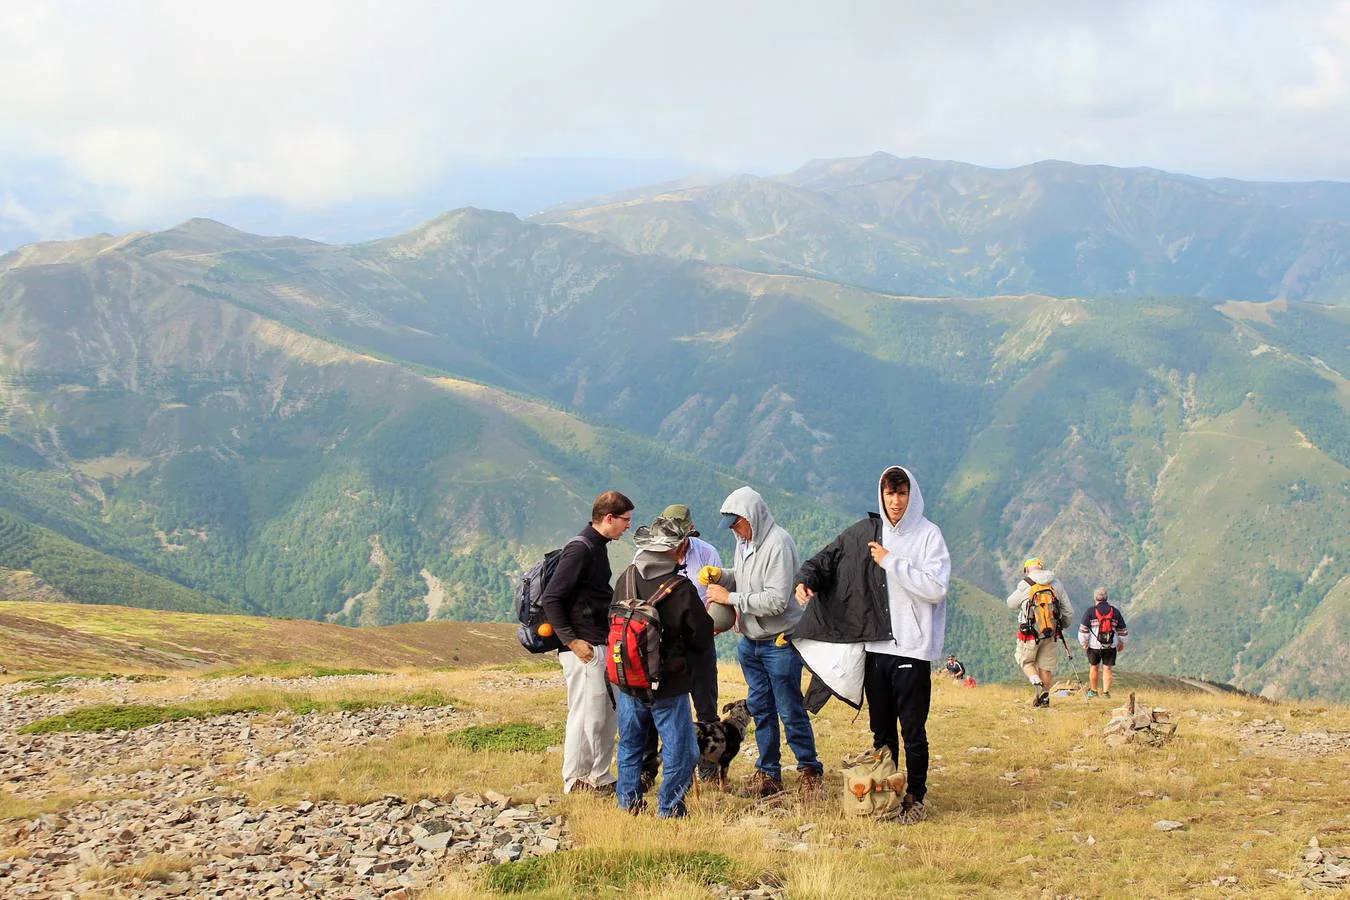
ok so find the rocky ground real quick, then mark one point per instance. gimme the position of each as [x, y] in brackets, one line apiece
[178, 832]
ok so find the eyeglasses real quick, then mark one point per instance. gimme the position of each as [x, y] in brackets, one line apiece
[628, 518]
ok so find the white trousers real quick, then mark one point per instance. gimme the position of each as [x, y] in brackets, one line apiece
[592, 723]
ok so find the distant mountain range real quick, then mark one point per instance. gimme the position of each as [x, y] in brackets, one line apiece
[391, 430]
[924, 227]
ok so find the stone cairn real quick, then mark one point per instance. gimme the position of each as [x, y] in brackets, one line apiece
[1135, 723]
[1324, 868]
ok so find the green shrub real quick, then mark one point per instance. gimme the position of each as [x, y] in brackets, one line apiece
[597, 868]
[125, 717]
[288, 670]
[509, 738]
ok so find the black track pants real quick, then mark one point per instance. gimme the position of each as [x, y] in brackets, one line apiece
[898, 691]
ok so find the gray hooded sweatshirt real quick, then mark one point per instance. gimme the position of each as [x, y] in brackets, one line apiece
[761, 582]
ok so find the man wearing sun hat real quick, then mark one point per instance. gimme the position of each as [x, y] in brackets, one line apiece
[703, 666]
[685, 627]
[702, 663]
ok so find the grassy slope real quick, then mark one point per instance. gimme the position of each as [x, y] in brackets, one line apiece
[64, 637]
[1016, 795]
[1204, 589]
[1008, 820]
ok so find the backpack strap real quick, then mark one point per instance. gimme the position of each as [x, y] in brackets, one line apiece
[667, 587]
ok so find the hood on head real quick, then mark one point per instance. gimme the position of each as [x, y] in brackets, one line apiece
[914, 512]
[1041, 576]
[748, 504]
[655, 563]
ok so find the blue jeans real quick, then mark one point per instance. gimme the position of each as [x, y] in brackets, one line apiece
[674, 721]
[774, 676]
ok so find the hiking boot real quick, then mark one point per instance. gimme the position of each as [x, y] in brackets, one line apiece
[911, 811]
[601, 790]
[760, 785]
[809, 783]
[1106, 695]
[1091, 693]
[1042, 698]
[637, 807]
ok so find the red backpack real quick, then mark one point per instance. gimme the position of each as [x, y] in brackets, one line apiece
[633, 662]
[1106, 627]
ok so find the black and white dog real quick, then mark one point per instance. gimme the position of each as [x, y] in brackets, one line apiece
[719, 742]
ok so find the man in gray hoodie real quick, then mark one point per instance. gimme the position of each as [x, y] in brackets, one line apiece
[759, 587]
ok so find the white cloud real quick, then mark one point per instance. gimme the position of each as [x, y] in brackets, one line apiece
[160, 104]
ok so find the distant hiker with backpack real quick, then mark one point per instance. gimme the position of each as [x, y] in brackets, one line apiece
[1102, 633]
[759, 588]
[576, 605]
[656, 624]
[1043, 613]
[875, 620]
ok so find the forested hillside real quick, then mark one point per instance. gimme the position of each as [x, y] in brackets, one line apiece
[391, 431]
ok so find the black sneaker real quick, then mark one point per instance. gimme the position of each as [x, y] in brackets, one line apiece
[912, 811]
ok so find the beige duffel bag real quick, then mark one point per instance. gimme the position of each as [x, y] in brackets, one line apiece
[872, 786]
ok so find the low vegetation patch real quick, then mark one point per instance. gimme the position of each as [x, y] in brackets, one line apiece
[60, 680]
[511, 737]
[607, 869]
[288, 670]
[156, 868]
[125, 717]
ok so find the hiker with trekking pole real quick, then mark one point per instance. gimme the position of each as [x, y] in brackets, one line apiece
[1043, 613]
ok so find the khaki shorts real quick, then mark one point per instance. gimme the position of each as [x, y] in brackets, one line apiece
[1043, 653]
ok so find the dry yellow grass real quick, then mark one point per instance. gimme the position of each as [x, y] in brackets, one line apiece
[1025, 802]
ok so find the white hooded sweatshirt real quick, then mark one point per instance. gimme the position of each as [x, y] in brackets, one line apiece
[918, 572]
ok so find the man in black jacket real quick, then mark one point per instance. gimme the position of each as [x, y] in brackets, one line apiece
[686, 630]
[876, 614]
[576, 604]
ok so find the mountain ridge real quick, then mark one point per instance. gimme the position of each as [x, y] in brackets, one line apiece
[275, 396]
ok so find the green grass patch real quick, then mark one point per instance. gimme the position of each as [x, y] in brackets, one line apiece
[509, 738]
[127, 717]
[288, 670]
[597, 868]
[59, 679]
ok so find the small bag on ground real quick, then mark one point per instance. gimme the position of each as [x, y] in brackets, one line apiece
[872, 786]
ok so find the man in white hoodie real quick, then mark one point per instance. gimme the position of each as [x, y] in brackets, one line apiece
[875, 619]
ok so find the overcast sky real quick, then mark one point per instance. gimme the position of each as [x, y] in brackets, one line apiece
[141, 109]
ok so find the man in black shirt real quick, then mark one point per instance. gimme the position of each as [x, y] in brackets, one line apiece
[576, 603]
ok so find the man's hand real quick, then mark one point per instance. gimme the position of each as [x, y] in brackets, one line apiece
[804, 594]
[584, 651]
[878, 552]
[719, 594]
